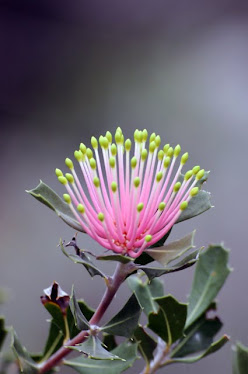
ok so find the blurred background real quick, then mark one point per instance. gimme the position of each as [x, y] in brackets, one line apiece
[70, 70]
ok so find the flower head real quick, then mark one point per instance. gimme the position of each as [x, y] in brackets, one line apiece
[133, 200]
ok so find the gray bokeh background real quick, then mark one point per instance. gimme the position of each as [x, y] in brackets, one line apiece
[70, 70]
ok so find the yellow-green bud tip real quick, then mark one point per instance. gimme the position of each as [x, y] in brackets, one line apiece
[128, 145]
[200, 174]
[83, 148]
[184, 205]
[177, 187]
[69, 163]
[143, 154]
[93, 163]
[133, 162]
[152, 146]
[152, 137]
[188, 175]
[184, 158]
[161, 205]
[160, 155]
[113, 150]
[103, 140]
[194, 191]
[81, 208]
[58, 172]
[145, 135]
[140, 206]
[96, 182]
[177, 150]
[148, 238]
[170, 152]
[157, 141]
[109, 136]
[118, 137]
[89, 153]
[112, 162]
[159, 176]
[101, 217]
[196, 169]
[62, 180]
[167, 162]
[114, 186]
[69, 177]
[78, 155]
[94, 142]
[136, 182]
[67, 198]
[165, 149]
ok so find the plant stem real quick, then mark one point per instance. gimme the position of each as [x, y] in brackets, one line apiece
[157, 362]
[114, 282]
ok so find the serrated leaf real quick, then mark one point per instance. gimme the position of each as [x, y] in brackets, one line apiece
[126, 351]
[118, 258]
[214, 347]
[161, 241]
[157, 271]
[240, 359]
[48, 197]
[170, 320]
[143, 294]
[87, 312]
[210, 274]
[25, 362]
[92, 347]
[80, 321]
[199, 204]
[146, 344]
[198, 336]
[84, 260]
[3, 331]
[170, 252]
[156, 287]
[124, 322]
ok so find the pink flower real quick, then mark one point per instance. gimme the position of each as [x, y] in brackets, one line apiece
[131, 202]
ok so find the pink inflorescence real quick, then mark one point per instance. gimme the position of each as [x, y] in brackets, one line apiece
[131, 202]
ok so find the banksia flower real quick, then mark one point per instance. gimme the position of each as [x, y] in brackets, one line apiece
[133, 200]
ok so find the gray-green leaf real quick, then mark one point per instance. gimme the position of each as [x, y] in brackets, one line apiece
[143, 294]
[80, 321]
[210, 274]
[240, 359]
[25, 362]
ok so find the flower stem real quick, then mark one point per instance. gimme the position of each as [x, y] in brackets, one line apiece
[114, 282]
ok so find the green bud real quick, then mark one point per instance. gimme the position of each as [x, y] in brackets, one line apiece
[145, 135]
[143, 154]
[109, 136]
[152, 137]
[58, 172]
[135, 134]
[165, 149]
[167, 161]
[113, 150]
[96, 181]
[196, 169]
[140, 206]
[136, 182]
[69, 177]
[184, 158]
[114, 186]
[81, 208]
[160, 155]
[89, 153]
[161, 206]
[194, 191]
[94, 142]
[133, 162]
[118, 135]
[93, 163]
[200, 174]
[104, 142]
[69, 163]
[148, 238]
[112, 162]
[177, 187]
[184, 205]
[157, 141]
[188, 175]
[62, 180]
[177, 150]
[78, 155]
[101, 217]
[83, 148]
[119, 129]
[128, 145]
[159, 176]
[152, 147]
[67, 198]
[139, 137]
[170, 152]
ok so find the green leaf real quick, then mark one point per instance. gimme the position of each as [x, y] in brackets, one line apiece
[48, 197]
[80, 321]
[84, 260]
[199, 204]
[124, 322]
[109, 341]
[161, 241]
[198, 336]
[3, 331]
[156, 270]
[240, 359]
[146, 344]
[25, 362]
[169, 322]
[143, 294]
[118, 258]
[210, 274]
[173, 250]
[126, 351]
[87, 312]
[211, 349]
[54, 340]
[92, 347]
